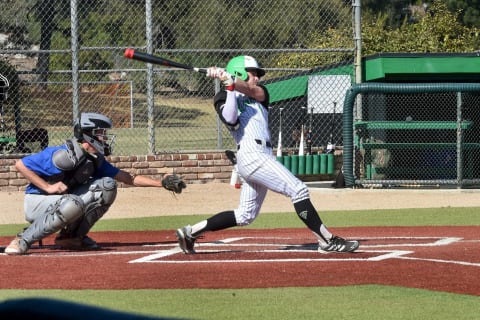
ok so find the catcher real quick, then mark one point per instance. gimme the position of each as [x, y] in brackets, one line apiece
[72, 186]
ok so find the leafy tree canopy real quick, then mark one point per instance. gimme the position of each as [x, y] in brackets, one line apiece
[439, 30]
[469, 11]
[436, 30]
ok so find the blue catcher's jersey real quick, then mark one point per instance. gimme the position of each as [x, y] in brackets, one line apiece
[41, 163]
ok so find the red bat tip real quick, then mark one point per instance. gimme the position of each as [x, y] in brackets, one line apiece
[129, 53]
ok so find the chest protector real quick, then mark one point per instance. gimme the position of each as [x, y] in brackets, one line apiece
[77, 165]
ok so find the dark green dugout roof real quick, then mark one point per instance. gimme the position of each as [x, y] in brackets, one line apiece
[297, 85]
[416, 67]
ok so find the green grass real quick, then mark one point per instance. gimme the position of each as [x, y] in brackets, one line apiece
[449, 216]
[356, 302]
[367, 302]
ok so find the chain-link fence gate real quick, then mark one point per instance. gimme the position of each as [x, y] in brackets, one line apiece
[62, 57]
[398, 141]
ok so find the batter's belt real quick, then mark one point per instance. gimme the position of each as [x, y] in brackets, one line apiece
[264, 143]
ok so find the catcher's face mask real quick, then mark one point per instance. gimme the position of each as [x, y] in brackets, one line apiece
[101, 140]
[92, 128]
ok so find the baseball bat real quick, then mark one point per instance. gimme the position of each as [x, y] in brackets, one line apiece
[151, 58]
[279, 147]
[331, 145]
[302, 137]
[300, 147]
[309, 133]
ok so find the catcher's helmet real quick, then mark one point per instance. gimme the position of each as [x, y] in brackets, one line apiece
[92, 128]
[239, 66]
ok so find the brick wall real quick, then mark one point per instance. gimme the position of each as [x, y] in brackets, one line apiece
[193, 167]
[10, 179]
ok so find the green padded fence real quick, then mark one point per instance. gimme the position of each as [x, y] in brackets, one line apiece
[310, 164]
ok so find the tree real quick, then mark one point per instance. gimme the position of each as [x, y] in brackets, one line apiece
[469, 11]
[392, 11]
[438, 31]
[397, 10]
[17, 28]
[47, 27]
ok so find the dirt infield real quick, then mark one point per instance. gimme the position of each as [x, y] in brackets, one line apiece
[440, 258]
[434, 258]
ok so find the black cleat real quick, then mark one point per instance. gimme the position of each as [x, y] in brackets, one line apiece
[337, 244]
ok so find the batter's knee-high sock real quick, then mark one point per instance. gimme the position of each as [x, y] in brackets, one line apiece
[220, 221]
[310, 217]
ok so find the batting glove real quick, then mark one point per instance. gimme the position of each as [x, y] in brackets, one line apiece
[227, 80]
[213, 72]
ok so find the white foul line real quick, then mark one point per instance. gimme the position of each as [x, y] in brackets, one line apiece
[387, 254]
[463, 263]
[157, 255]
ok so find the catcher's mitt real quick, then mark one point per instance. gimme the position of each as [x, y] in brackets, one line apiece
[174, 183]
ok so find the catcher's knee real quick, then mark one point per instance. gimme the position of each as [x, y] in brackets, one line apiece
[101, 195]
[68, 209]
[104, 190]
[93, 213]
[71, 208]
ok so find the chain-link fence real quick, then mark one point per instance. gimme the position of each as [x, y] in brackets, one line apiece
[62, 57]
[412, 134]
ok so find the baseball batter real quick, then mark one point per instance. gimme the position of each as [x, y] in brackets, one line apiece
[72, 186]
[243, 107]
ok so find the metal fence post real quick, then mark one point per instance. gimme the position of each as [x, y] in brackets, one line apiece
[75, 72]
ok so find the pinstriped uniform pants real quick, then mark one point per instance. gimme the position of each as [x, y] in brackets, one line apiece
[261, 172]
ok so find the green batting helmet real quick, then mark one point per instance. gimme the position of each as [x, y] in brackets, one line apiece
[239, 66]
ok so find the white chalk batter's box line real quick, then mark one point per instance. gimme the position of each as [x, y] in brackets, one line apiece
[379, 254]
[156, 256]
